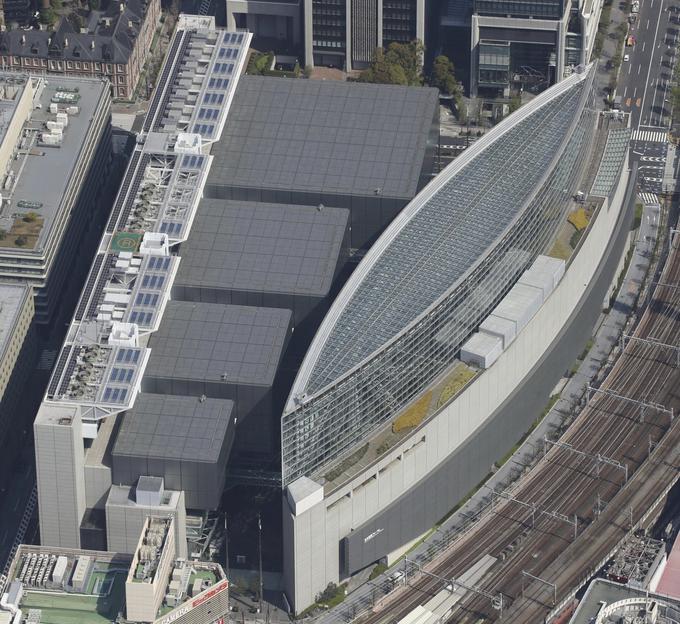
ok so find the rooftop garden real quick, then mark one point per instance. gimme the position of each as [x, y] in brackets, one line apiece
[24, 232]
[446, 388]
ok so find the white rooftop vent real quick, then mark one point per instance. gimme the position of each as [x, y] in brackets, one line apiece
[124, 334]
[155, 244]
[188, 143]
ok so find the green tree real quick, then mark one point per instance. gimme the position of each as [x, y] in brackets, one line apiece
[443, 76]
[383, 72]
[48, 16]
[515, 103]
[400, 64]
[408, 56]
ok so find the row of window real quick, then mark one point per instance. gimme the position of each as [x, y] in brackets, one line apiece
[59, 65]
[328, 44]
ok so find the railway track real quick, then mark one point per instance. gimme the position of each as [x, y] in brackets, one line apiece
[570, 484]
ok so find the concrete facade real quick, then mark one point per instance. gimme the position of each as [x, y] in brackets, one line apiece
[359, 27]
[363, 520]
[144, 591]
[279, 21]
[59, 473]
[125, 518]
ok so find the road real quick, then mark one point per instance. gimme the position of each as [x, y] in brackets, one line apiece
[644, 86]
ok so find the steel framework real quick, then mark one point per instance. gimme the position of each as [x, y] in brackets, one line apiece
[598, 458]
[643, 405]
[652, 342]
[553, 586]
[496, 599]
[536, 509]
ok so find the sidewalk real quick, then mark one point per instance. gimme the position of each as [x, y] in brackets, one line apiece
[572, 398]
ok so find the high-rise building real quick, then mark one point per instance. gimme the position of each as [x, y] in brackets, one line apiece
[345, 33]
[528, 45]
[245, 201]
[57, 131]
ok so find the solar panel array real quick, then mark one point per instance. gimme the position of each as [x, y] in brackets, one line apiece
[207, 119]
[58, 370]
[168, 66]
[89, 285]
[123, 192]
[91, 369]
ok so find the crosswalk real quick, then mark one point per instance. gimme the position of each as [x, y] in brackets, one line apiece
[650, 136]
[649, 199]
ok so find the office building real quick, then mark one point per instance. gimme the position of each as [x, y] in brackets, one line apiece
[152, 585]
[276, 24]
[214, 271]
[346, 33]
[112, 44]
[150, 570]
[17, 349]
[99, 371]
[525, 45]
[386, 429]
[58, 132]
[127, 508]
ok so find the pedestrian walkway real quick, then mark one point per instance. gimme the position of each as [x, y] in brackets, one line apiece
[649, 199]
[651, 136]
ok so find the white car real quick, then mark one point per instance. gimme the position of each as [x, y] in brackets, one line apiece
[626, 57]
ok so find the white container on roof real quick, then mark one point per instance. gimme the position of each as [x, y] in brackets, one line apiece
[59, 570]
[124, 334]
[482, 350]
[544, 273]
[155, 244]
[520, 305]
[499, 327]
[188, 143]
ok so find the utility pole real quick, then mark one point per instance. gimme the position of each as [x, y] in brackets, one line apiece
[259, 548]
[226, 545]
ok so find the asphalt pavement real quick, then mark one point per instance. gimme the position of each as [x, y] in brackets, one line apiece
[644, 87]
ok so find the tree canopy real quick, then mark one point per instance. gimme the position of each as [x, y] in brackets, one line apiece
[400, 64]
[443, 76]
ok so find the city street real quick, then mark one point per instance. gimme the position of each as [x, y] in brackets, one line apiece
[644, 86]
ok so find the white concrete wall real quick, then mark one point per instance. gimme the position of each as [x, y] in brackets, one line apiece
[315, 535]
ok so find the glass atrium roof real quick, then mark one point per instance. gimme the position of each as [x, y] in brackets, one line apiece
[442, 234]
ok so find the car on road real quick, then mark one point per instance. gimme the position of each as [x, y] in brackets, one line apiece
[626, 57]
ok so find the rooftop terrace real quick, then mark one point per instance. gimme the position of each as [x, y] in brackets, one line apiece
[30, 211]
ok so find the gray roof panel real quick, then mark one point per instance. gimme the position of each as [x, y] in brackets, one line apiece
[174, 427]
[325, 137]
[219, 343]
[273, 248]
